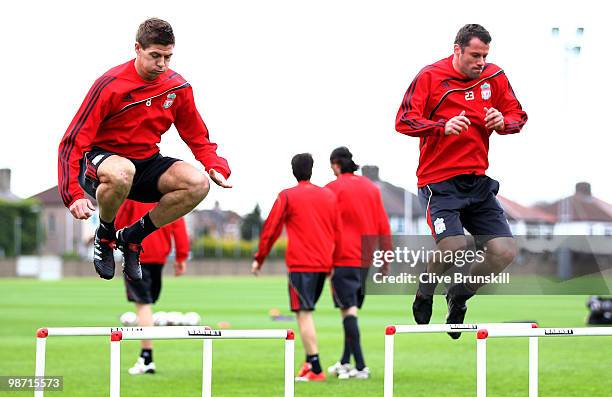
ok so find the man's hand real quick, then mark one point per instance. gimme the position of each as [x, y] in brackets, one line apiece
[494, 120]
[255, 268]
[82, 209]
[384, 269]
[179, 268]
[457, 124]
[218, 179]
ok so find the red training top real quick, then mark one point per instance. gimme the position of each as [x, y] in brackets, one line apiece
[124, 114]
[439, 93]
[156, 246]
[363, 214]
[313, 225]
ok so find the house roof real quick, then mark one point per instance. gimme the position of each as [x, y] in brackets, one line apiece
[51, 197]
[393, 196]
[518, 212]
[582, 206]
[217, 216]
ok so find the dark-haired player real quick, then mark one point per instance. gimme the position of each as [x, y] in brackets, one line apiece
[363, 216]
[453, 106]
[310, 215]
[110, 150]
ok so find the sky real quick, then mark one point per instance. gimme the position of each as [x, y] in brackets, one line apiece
[276, 78]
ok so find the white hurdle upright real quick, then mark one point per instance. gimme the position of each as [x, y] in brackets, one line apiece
[392, 330]
[117, 334]
[41, 343]
[533, 334]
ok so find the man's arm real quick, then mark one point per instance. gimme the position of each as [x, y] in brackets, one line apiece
[514, 117]
[337, 231]
[272, 228]
[181, 245]
[384, 229]
[410, 119]
[79, 134]
[194, 133]
[385, 242]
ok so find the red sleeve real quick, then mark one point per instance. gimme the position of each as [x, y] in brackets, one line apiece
[514, 115]
[272, 227]
[79, 134]
[410, 119]
[337, 230]
[384, 230]
[193, 131]
[181, 239]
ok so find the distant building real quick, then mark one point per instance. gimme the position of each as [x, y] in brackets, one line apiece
[63, 233]
[580, 213]
[527, 221]
[215, 222]
[400, 205]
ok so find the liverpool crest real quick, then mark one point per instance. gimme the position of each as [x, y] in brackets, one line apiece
[169, 100]
[485, 91]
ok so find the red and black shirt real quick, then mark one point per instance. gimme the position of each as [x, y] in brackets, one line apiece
[311, 216]
[124, 114]
[363, 217]
[439, 93]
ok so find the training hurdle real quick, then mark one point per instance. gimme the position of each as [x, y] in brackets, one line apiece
[118, 334]
[533, 334]
[392, 330]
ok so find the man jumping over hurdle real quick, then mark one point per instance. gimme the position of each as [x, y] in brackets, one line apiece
[453, 106]
[110, 150]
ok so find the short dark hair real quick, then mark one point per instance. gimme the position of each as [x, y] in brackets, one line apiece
[344, 158]
[302, 166]
[154, 31]
[468, 32]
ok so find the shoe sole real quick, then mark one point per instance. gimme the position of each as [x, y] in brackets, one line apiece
[104, 272]
[138, 277]
[454, 335]
[104, 276]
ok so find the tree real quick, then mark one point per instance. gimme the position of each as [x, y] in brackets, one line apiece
[19, 229]
[251, 225]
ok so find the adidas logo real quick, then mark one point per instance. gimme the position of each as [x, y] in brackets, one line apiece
[127, 97]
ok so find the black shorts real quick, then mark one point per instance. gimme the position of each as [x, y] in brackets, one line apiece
[349, 286]
[147, 290]
[464, 201]
[305, 289]
[144, 187]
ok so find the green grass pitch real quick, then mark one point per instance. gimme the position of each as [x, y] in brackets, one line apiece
[425, 365]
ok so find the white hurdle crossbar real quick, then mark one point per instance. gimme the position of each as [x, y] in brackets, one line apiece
[533, 334]
[117, 334]
[392, 330]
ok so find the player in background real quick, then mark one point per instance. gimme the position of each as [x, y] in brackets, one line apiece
[363, 217]
[312, 219]
[110, 150]
[145, 292]
[453, 106]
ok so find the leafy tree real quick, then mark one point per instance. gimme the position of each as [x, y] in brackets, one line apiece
[251, 225]
[19, 220]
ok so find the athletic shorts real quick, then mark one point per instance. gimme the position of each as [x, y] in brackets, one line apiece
[147, 290]
[305, 289]
[144, 187]
[349, 286]
[464, 201]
